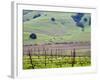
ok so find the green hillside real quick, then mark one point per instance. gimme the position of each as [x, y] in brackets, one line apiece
[51, 27]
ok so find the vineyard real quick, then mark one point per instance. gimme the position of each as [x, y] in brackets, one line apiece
[56, 55]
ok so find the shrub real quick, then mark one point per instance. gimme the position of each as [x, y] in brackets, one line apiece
[52, 19]
[33, 36]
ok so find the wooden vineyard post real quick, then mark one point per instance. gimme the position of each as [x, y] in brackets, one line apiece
[30, 57]
[51, 56]
[45, 55]
[73, 57]
[61, 52]
[34, 52]
[56, 54]
[61, 56]
[38, 53]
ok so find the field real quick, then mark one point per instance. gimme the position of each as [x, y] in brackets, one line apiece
[43, 38]
[57, 56]
[63, 29]
[53, 62]
[59, 41]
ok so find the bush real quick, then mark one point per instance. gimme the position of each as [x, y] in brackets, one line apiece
[52, 19]
[33, 36]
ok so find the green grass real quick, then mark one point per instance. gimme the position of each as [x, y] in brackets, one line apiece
[62, 30]
[53, 62]
[44, 38]
[64, 60]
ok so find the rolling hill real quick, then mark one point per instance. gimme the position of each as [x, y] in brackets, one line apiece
[51, 27]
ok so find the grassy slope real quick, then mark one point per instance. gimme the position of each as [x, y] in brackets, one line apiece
[62, 30]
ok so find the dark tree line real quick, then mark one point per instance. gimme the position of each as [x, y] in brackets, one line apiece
[36, 16]
[77, 19]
